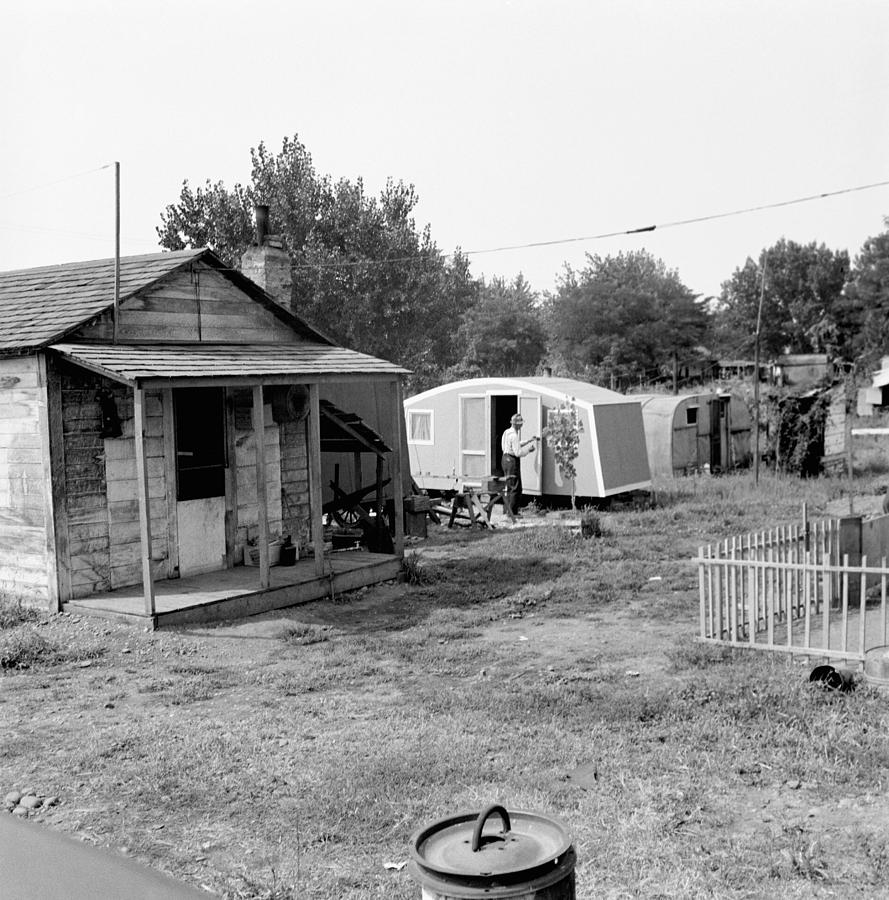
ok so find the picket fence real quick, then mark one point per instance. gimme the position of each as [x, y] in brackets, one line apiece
[789, 589]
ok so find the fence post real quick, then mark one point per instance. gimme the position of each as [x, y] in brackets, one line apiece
[850, 550]
[862, 608]
[702, 593]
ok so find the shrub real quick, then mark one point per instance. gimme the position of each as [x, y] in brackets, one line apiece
[23, 647]
[416, 572]
[14, 612]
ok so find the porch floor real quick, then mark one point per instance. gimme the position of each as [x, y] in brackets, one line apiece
[234, 593]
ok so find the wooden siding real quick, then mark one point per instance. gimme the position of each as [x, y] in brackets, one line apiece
[125, 546]
[100, 487]
[24, 483]
[295, 513]
[245, 464]
[197, 306]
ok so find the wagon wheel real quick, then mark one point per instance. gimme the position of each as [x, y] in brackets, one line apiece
[346, 518]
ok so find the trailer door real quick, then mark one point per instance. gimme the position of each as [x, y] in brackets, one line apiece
[474, 463]
[531, 408]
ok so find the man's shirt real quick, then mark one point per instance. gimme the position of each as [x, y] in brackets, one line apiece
[511, 442]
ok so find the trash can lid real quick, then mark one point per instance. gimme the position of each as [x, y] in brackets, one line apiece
[473, 844]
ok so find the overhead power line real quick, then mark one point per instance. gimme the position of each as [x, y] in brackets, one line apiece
[693, 221]
[40, 187]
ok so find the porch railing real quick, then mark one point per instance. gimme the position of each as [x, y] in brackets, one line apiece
[789, 590]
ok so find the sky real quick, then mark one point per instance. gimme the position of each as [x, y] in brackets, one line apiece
[518, 122]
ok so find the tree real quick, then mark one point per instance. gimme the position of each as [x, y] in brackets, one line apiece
[864, 307]
[622, 317]
[562, 434]
[800, 304]
[362, 271]
[503, 333]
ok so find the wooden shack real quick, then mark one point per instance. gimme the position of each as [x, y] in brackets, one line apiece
[155, 437]
[687, 433]
[454, 431]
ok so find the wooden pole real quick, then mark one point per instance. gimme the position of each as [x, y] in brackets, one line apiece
[396, 474]
[262, 500]
[313, 428]
[116, 251]
[144, 508]
[762, 292]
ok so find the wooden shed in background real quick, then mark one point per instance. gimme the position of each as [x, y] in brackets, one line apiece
[688, 433]
[146, 446]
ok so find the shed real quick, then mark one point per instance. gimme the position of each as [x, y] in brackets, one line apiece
[132, 482]
[695, 432]
[453, 435]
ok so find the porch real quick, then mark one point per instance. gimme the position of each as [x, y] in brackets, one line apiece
[232, 593]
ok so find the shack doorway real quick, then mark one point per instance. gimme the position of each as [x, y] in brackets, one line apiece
[503, 408]
[199, 419]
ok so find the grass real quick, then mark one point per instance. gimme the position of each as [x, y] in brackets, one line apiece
[528, 667]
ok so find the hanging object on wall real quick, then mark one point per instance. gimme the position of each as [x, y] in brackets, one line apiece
[290, 404]
[110, 419]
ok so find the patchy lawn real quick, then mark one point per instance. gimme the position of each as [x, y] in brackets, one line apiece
[293, 754]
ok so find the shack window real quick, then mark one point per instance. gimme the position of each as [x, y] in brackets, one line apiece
[420, 426]
[691, 415]
[200, 443]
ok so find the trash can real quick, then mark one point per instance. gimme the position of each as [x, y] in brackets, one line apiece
[494, 854]
[876, 666]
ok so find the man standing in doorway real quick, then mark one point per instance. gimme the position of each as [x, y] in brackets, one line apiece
[514, 448]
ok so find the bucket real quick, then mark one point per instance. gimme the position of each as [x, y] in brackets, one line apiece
[494, 854]
[876, 666]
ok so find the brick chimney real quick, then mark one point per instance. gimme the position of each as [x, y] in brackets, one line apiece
[267, 263]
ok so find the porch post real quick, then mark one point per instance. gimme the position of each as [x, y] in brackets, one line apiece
[144, 508]
[395, 473]
[262, 500]
[315, 501]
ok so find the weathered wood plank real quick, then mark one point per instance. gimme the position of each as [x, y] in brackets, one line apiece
[171, 525]
[18, 425]
[144, 502]
[261, 487]
[313, 441]
[231, 483]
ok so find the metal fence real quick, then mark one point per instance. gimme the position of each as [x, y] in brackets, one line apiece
[789, 590]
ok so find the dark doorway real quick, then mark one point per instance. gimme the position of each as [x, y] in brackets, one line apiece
[503, 408]
[717, 422]
[200, 443]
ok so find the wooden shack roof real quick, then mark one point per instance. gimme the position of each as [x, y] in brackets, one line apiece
[42, 306]
[208, 363]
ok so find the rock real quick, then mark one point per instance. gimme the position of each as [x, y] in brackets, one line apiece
[51, 801]
[31, 802]
[13, 797]
[20, 811]
[28, 790]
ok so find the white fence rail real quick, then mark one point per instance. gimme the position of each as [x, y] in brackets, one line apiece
[788, 590]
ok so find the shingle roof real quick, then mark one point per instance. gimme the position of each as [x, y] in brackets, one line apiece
[41, 306]
[158, 362]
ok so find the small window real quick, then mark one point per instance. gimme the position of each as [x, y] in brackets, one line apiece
[200, 443]
[420, 426]
[691, 415]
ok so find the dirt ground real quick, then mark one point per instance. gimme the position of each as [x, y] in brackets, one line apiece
[121, 673]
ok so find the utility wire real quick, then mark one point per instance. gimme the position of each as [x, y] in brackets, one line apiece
[40, 187]
[678, 222]
[430, 254]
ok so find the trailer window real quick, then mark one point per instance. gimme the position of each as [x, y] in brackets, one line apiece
[691, 415]
[420, 426]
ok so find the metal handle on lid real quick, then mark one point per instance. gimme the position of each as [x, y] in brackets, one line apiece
[480, 824]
